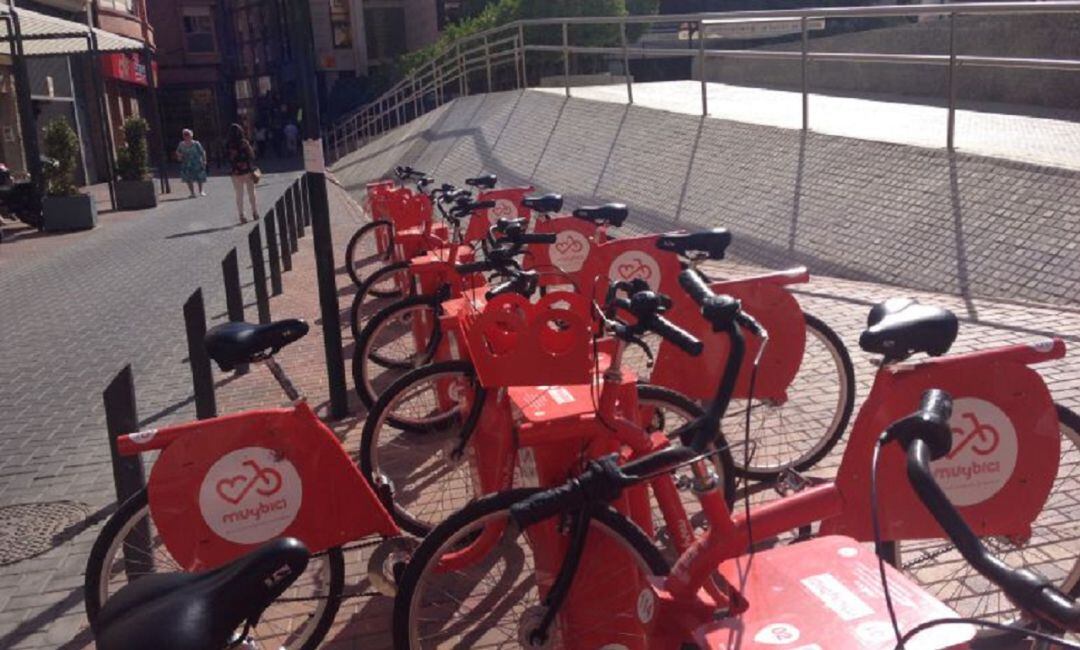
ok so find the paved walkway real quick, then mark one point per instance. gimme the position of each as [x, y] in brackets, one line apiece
[1051, 139]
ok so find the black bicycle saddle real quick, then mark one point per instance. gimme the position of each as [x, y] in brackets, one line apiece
[901, 327]
[712, 243]
[609, 213]
[485, 182]
[184, 611]
[543, 203]
[230, 344]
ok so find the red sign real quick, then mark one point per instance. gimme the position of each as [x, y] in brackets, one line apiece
[125, 67]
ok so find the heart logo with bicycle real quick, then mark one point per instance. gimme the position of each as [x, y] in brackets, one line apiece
[569, 251]
[983, 455]
[503, 209]
[634, 265]
[250, 495]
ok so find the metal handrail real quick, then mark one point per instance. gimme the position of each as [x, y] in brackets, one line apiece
[451, 71]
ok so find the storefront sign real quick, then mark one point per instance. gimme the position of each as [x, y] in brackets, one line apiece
[124, 67]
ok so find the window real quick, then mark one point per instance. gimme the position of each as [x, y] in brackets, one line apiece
[199, 31]
[243, 88]
[118, 5]
[385, 31]
[340, 25]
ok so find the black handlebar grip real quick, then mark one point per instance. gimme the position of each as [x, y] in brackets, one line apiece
[682, 339]
[547, 504]
[474, 267]
[538, 238]
[694, 285]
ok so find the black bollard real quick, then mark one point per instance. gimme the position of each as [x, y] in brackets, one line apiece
[258, 275]
[273, 252]
[234, 298]
[121, 418]
[283, 235]
[202, 376]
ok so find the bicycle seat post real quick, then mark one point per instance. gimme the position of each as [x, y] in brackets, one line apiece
[283, 380]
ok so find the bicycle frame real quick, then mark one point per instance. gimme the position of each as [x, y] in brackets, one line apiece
[222, 486]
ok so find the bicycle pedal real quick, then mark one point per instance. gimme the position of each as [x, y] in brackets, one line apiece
[790, 482]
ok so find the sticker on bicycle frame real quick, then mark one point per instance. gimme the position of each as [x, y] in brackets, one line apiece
[503, 209]
[250, 495]
[777, 634]
[841, 600]
[983, 454]
[635, 264]
[560, 395]
[646, 605]
[142, 437]
[569, 251]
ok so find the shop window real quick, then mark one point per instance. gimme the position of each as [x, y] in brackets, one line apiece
[340, 25]
[385, 32]
[199, 31]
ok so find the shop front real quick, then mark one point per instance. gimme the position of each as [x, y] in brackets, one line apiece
[127, 87]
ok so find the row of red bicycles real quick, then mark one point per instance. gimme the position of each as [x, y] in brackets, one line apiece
[582, 438]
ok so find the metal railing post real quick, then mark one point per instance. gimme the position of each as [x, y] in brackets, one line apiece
[524, 71]
[462, 83]
[400, 107]
[951, 134]
[566, 57]
[701, 65]
[438, 85]
[416, 99]
[487, 59]
[805, 82]
[626, 64]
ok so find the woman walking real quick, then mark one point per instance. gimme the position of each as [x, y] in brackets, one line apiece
[192, 159]
[242, 158]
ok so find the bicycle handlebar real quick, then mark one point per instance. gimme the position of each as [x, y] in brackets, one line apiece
[646, 307]
[721, 311]
[926, 436]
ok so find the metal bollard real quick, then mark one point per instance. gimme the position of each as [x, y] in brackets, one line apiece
[121, 417]
[291, 217]
[283, 235]
[234, 298]
[202, 376]
[258, 275]
[273, 253]
[301, 207]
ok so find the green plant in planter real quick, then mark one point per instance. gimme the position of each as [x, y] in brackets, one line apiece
[62, 145]
[131, 160]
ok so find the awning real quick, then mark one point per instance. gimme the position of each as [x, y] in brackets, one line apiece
[44, 35]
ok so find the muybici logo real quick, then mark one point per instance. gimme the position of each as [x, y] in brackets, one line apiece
[983, 454]
[635, 264]
[503, 209]
[250, 495]
[569, 251]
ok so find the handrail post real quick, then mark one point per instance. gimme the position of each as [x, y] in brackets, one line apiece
[805, 81]
[701, 65]
[438, 84]
[626, 64]
[462, 83]
[951, 135]
[416, 99]
[400, 107]
[566, 57]
[487, 58]
[524, 71]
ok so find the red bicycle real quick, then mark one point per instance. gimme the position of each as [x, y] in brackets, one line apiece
[1014, 500]
[224, 486]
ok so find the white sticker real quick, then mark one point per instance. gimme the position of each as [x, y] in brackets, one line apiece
[983, 455]
[313, 156]
[569, 251]
[777, 634]
[503, 209]
[635, 264]
[250, 495]
[142, 437]
[646, 605]
[836, 596]
[560, 395]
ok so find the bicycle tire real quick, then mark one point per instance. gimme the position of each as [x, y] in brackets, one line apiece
[1069, 423]
[363, 379]
[373, 427]
[364, 295]
[841, 415]
[136, 508]
[354, 247]
[609, 521]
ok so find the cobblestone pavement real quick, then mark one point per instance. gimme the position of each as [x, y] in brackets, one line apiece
[1051, 139]
[75, 308]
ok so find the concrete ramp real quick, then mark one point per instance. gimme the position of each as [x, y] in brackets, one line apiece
[865, 210]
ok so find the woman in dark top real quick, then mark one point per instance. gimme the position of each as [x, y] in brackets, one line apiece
[242, 158]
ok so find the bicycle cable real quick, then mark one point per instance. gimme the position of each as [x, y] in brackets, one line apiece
[746, 439]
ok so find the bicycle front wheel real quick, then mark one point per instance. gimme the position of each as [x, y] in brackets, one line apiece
[362, 255]
[129, 545]
[382, 288]
[800, 432]
[497, 600]
[399, 338]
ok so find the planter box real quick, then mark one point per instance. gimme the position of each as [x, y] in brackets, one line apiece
[135, 195]
[68, 212]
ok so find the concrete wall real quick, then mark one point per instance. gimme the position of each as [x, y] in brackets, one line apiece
[851, 208]
[1016, 36]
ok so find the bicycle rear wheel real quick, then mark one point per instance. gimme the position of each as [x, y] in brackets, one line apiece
[496, 601]
[129, 545]
[362, 256]
[1053, 548]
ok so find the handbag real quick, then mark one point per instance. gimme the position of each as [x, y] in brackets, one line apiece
[256, 175]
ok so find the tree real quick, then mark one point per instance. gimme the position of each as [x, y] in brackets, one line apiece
[62, 146]
[131, 159]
